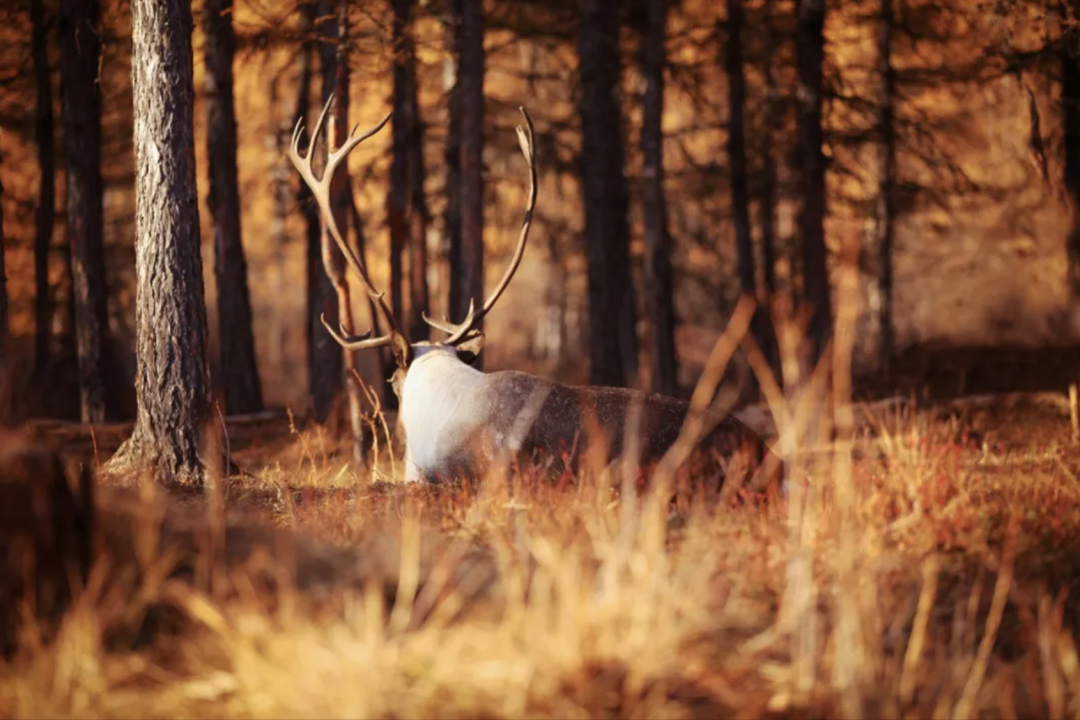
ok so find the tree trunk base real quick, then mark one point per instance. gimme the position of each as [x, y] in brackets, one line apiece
[134, 465]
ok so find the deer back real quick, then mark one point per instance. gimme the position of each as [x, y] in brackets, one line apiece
[458, 420]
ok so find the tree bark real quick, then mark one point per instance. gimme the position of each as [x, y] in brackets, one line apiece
[1070, 117]
[341, 202]
[45, 214]
[80, 51]
[659, 282]
[612, 303]
[471, 70]
[276, 141]
[811, 54]
[740, 193]
[317, 339]
[555, 337]
[172, 380]
[326, 362]
[767, 201]
[3, 297]
[398, 196]
[886, 204]
[419, 301]
[381, 389]
[239, 370]
[457, 302]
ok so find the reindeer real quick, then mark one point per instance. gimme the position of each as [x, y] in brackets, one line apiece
[458, 420]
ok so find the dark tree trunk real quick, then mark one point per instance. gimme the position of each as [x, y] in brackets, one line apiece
[1070, 109]
[326, 362]
[419, 301]
[457, 302]
[740, 198]
[317, 339]
[811, 55]
[612, 304]
[471, 69]
[239, 370]
[277, 141]
[341, 203]
[768, 183]
[659, 282]
[304, 201]
[3, 297]
[740, 193]
[45, 214]
[81, 115]
[398, 196]
[886, 205]
[172, 381]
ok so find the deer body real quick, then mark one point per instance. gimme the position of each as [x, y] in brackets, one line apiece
[458, 420]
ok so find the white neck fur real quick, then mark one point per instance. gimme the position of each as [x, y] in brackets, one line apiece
[439, 408]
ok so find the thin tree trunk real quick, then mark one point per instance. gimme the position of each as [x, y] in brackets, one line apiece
[471, 70]
[767, 200]
[81, 115]
[612, 304]
[457, 302]
[740, 193]
[398, 196]
[276, 141]
[381, 389]
[340, 202]
[240, 373]
[45, 214]
[172, 381]
[419, 301]
[326, 357]
[811, 55]
[659, 282]
[1070, 118]
[886, 204]
[316, 336]
[555, 335]
[3, 302]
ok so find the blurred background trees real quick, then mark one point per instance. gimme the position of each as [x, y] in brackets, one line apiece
[689, 151]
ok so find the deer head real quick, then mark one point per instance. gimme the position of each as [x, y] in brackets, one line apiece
[464, 339]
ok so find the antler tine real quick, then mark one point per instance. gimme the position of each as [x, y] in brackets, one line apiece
[445, 325]
[363, 341]
[459, 332]
[320, 189]
[338, 155]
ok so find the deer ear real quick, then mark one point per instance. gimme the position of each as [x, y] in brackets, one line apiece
[469, 348]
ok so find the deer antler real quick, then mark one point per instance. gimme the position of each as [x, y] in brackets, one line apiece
[467, 329]
[320, 190]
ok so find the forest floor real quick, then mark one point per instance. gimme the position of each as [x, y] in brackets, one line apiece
[939, 577]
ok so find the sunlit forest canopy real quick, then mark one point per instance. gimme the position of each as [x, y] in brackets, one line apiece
[982, 212]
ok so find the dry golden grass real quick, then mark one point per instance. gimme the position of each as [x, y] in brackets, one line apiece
[941, 585]
[922, 563]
